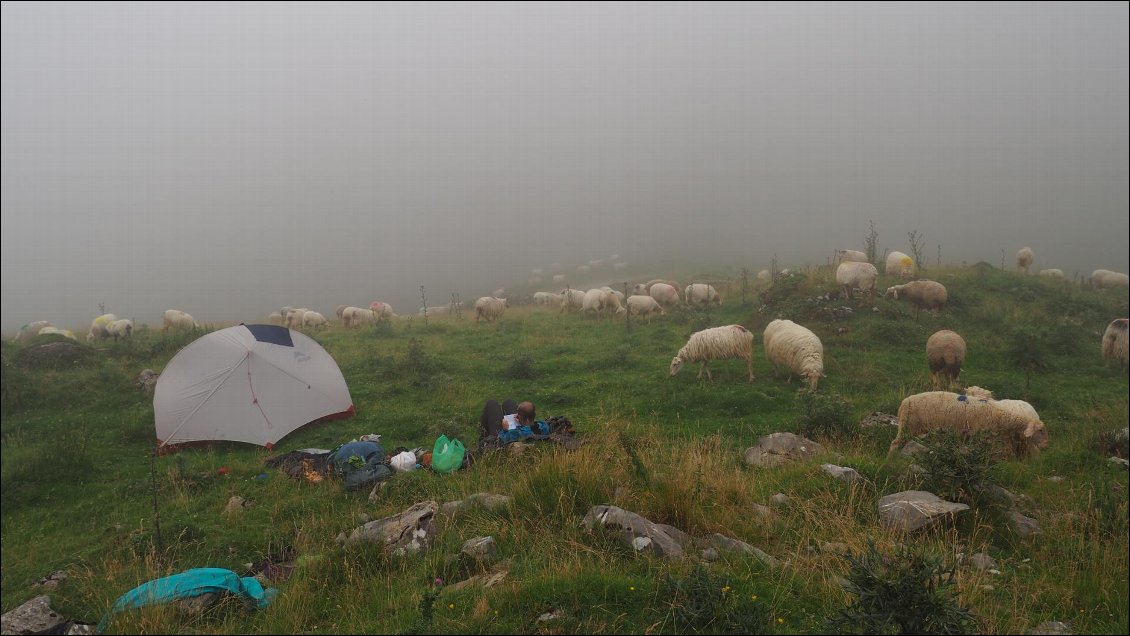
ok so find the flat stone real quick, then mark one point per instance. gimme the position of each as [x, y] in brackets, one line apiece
[480, 548]
[729, 544]
[778, 449]
[1052, 627]
[710, 555]
[32, 617]
[1055, 479]
[407, 532]
[842, 473]
[915, 509]
[912, 448]
[982, 561]
[764, 512]
[549, 616]
[52, 581]
[779, 499]
[638, 532]
[1023, 526]
[489, 501]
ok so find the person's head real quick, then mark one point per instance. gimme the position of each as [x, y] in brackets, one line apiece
[526, 413]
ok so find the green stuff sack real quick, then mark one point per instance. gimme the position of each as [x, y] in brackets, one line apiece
[447, 454]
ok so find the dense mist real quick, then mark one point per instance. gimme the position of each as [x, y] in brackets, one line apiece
[227, 159]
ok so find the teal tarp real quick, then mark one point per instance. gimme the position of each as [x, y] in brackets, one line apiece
[191, 583]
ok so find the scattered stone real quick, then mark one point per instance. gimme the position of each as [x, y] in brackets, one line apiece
[998, 495]
[781, 448]
[404, 533]
[842, 473]
[1024, 527]
[729, 544]
[764, 512]
[52, 581]
[33, 617]
[548, 616]
[995, 572]
[878, 419]
[779, 499]
[1118, 461]
[915, 470]
[1056, 479]
[912, 448]
[378, 488]
[640, 533]
[487, 500]
[518, 448]
[197, 605]
[982, 561]
[1052, 627]
[236, 505]
[490, 579]
[710, 555]
[147, 380]
[480, 548]
[914, 509]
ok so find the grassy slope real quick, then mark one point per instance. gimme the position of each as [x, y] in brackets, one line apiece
[77, 491]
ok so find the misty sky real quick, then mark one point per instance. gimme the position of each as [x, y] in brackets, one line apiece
[227, 159]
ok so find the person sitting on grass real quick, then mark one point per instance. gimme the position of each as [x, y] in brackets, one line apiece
[509, 422]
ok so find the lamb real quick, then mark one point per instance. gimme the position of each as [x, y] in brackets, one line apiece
[314, 319]
[701, 294]
[594, 301]
[716, 343]
[664, 294]
[965, 414]
[1106, 279]
[1024, 258]
[852, 274]
[1114, 342]
[899, 264]
[120, 328]
[789, 344]
[924, 294]
[489, 308]
[851, 256]
[31, 330]
[177, 319]
[945, 353]
[640, 305]
[1053, 273]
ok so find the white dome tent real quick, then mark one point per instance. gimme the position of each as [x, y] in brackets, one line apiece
[250, 383]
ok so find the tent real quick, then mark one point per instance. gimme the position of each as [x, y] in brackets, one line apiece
[250, 383]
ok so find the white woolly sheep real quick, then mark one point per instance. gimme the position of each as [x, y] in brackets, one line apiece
[851, 256]
[98, 327]
[120, 328]
[701, 294]
[1024, 258]
[438, 309]
[1115, 342]
[853, 274]
[1019, 407]
[664, 294]
[716, 343]
[619, 294]
[1106, 279]
[358, 316]
[177, 319]
[945, 353]
[639, 305]
[639, 289]
[1053, 273]
[796, 348]
[899, 264]
[941, 410]
[549, 299]
[594, 302]
[341, 310]
[614, 302]
[764, 275]
[314, 319]
[572, 299]
[489, 308]
[31, 330]
[923, 294]
[382, 310]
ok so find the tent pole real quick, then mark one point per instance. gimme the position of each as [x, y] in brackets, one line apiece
[160, 545]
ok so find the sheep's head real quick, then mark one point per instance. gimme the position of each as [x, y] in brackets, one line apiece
[813, 377]
[676, 365]
[1036, 434]
[892, 292]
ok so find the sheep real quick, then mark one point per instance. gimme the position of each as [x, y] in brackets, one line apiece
[1053, 273]
[314, 319]
[357, 316]
[967, 414]
[1114, 342]
[716, 343]
[490, 308]
[177, 319]
[673, 283]
[594, 301]
[583, 269]
[614, 301]
[795, 347]
[275, 318]
[899, 264]
[558, 278]
[639, 305]
[31, 330]
[120, 328]
[619, 266]
[572, 299]
[665, 294]
[293, 318]
[764, 275]
[440, 309]
[701, 294]
[98, 326]
[945, 353]
[851, 256]
[924, 294]
[619, 294]
[639, 289]
[1024, 258]
[549, 299]
[1019, 407]
[536, 272]
[341, 310]
[852, 274]
[1106, 279]
[381, 310]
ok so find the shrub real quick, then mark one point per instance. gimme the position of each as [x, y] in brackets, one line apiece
[824, 415]
[700, 602]
[909, 593]
[522, 367]
[1112, 443]
[957, 469]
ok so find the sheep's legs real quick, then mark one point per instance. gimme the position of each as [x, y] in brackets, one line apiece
[707, 369]
[749, 368]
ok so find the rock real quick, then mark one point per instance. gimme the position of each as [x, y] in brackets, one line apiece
[1055, 479]
[490, 579]
[197, 605]
[236, 505]
[33, 617]
[404, 533]
[998, 495]
[779, 499]
[1118, 461]
[147, 380]
[982, 561]
[683, 539]
[548, 616]
[914, 470]
[518, 448]
[641, 534]
[1024, 527]
[842, 473]
[881, 420]
[764, 512]
[710, 555]
[480, 548]
[728, 544]
[995, 572]
[363, 518]
[912, 448]
[487, 500]
[1052, 627]
[52, 581]
[53, 354]
[781, 448]
[914, 509]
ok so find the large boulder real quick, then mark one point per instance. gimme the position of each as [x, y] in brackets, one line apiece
[408, 532]
[781, 448]
[33, 617]
[642, 535]
[915, 509]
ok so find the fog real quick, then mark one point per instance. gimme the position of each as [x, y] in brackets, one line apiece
[227, 159]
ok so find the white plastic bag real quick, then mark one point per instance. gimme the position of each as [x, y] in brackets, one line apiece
[403, 462]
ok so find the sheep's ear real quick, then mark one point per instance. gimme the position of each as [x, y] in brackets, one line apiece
[1030, 430]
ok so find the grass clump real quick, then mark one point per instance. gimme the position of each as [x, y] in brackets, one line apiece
[957, 468]
[703, 603]
[824, 416]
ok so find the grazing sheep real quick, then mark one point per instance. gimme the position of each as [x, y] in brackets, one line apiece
[594, 302]
[1019, 407]
[924, 294]
[177, 319]
[701, 294]
[967, 414]
[1024, 258]
[341, 310]
[381, 310]
[619, 294]
[639, 305]
[293, 318]
[1053, 273]
[639, 289]
[120, 328]
[796, 348]
[98, 327]
[899, 264]
[664, 294]
[583, 269]
[1106, 279]
[851, 256]
[489, 308]
[852, 274]
[945, 353]
[357, 316]
[673, 283]
[764, 275]
[549, 299]
[613, 301]
[572, 299]
[31, 330]
[314, 319]
[1114, 342]
[717, 343]
[439, 309]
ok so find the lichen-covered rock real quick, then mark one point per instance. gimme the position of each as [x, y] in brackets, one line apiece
[915, 509]
[407, 532]
[642, 535]
[778, 449]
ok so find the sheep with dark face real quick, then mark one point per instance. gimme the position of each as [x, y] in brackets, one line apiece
[717, 343]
